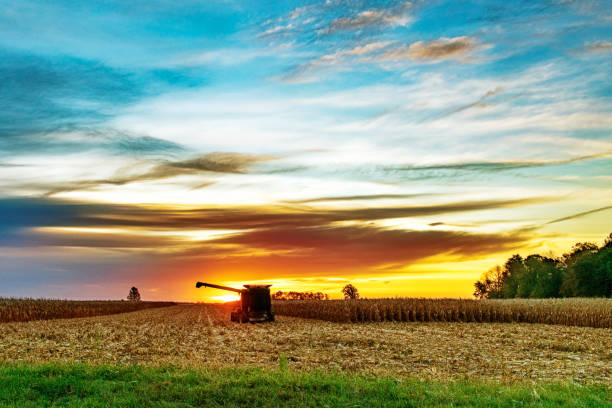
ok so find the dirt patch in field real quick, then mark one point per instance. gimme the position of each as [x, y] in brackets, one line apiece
[197, 335]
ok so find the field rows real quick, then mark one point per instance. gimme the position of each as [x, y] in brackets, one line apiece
[202, 335]
[587, 312]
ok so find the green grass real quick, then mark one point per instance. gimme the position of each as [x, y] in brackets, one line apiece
[81, 385]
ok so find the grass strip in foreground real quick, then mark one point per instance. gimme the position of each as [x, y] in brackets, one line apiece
[81, 385]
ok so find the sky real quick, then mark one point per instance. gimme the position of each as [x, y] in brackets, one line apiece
[405, 147]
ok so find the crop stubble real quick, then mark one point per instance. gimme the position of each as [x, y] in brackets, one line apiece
[202, 335]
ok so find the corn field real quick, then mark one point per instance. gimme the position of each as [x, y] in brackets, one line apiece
[202, 335]
[23, 310]
[588, 312]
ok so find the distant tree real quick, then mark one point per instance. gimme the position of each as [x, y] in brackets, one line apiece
[134, 295]
[350, 292]
[278, 295]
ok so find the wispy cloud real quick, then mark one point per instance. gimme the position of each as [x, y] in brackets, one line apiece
[354, 55]
[218, 162]
[381, 52]
[395, 16]
[357, 198]
[278, 31]
[458, 48]
[61, 104]
[579, 215]
[18, 213]
[480, 103]
[493, 166]
[599, 46]
[366, 246]
[41, 94]
[281, 236]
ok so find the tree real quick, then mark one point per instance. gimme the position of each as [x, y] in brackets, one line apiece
[350, 292]
[585, 271]
[513, 269]
[134, 295]
[480, 289]
[490, 284]
[593, 274]
[579, 249]
[608, 242]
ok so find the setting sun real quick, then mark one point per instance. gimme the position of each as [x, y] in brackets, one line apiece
[225, 298]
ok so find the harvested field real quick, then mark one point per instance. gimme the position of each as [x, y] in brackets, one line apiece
[25, 310]
[202, 335]
[589, 312]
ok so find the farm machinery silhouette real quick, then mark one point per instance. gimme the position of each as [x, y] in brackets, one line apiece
[255, 303]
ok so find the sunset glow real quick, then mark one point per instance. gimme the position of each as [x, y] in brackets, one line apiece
[404, 147]
[225, 298]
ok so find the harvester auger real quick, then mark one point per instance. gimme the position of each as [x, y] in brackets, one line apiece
[255, 303]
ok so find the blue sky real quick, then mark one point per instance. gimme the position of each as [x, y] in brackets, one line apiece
[475, 122]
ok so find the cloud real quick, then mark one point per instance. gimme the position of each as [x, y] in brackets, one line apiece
[482, 102]
[458, 48]
[41, 94]
[366, 246]
[579, 215]
[289, 239]
[598, 47]
[282, 30]
[357, 198]
[16, 214]
[479, 103]
[62, 141]
[495, 166]
[61, 104]
[343, 57]
[217, 162]
[396, 16]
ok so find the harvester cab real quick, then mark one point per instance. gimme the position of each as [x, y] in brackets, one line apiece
[255, 304]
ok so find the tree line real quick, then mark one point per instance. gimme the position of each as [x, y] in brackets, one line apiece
[349, 292]
[280, 295]
[585, 271]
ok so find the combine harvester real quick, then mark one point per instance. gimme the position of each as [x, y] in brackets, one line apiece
[255, 303]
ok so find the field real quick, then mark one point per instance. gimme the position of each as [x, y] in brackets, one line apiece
[24, 310]
[195, 336]
[191, 355]
[570, 311]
